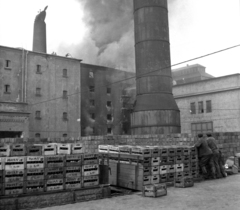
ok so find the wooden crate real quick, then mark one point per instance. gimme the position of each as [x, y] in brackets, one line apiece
[155, 170]
[170, 160]
[74, 160]
[4, 150]
[77, 148]
[63, 149]
[73, 183]
[186, 159]
[154, 151]
[178, 175]
[186, 151]
[34, 150]
[141, 151]
[13, 176]
[163, 152]
[54, 173]
[170, 177]
[34, 162]
[171, 169]
[88, 159]
[171, 152]
[90, 181]
[54, 161]
[90, 170]
[154, 190]
[155, 179]
[103, 148]
[164, 161]
[143, 161]
[49, 149]
[34, 186]
[179, 151]
[15, 163]
[187, 174]
[163, 169]
[194, 166]
[193, 151]
[179, 159]
[54, 185]
[18, 150]
[155, 161]
[73, 171]
[184, 182]
[186, 166]
[2, 160]
[193, 158]
[163, 178]
[179, 167]
[113, 149]
[33, 174]
[14, 188]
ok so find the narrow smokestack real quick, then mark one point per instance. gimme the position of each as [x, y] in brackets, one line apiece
[156, 111]
[39, 33]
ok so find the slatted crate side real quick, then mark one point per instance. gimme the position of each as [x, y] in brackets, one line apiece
[18, 150]
[155, 161]
[13, 176]
[54, 161]
[54, 173]
[4, 150]
[34, 186]
[34, 174]
[49, 149]
[89, 181]
[2, 160]
[73, 171]
[74, 160]
[154, 190]
[103, 148]
[184, 182]
[88, 159]
[15, 163]
[141, 151]
[73, 183]
[155, 170]
[54, 184]
[34, 162]
[163, 178]
[34, 150]
[145, 171]
[155, 179]
[1, 176]
[63, 149]
[77, 148]
[90, 170]
[171, 168]
[14, 188]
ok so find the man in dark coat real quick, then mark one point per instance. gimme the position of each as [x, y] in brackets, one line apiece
[205, 156]
[216, 157]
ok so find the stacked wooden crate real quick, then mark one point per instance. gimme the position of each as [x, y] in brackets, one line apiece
[134, 167]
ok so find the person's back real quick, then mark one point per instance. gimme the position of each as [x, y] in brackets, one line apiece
[212, 144]
[203, 148]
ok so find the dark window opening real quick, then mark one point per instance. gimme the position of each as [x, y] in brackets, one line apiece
[38, 91]
[93, 116]
[38, 115]
[91, 89]
[65, 116]
[200, 107]
[109, 130]
[64, 135]
[108, 90]
[7, 89]
[37, 135]
[64, 72]
[193, 108]
[92, 102]
[7, 63]
[39, 69]
[109, 103]
[208, 106]
[109, 117]
[65, 95]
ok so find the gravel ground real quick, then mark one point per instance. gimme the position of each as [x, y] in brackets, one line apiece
[207, 195]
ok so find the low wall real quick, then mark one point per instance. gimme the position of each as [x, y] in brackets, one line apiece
[228, 142]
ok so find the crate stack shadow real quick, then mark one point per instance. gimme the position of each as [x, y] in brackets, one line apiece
[135, 167]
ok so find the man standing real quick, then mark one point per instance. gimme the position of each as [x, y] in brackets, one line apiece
[216, 157]
[205, 155]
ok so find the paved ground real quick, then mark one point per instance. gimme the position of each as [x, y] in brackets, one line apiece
[206, 195]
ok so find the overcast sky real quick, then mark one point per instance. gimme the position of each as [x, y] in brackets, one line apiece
[101, 31]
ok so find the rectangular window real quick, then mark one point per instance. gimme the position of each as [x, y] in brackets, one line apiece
[108, 90]
[109, 117]
[91, 89]
[91, 75]
[38, 115]
[7, 89]
[65, 116]
[92, 102]
[7, 64]
[109, 103]
[65, 94]
[93, 116]
[193, 108]
[64, 72]
[109, 130]
[208, 106]
[39, 69]
[38, 91]
[202, 127]
[200, 107]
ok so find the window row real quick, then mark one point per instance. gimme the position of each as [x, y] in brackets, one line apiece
[38, 115]
[92, 89]
[38, 135]
[93, 131]
[92, 103]
[109, 116]
[38, 93]
[208, 107]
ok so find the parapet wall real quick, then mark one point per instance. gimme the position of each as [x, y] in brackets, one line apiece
[229, 142]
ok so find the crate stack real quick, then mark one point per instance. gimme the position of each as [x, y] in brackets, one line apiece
[134, 166]
[27, 169]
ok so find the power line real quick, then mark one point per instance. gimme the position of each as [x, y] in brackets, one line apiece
[119, 81]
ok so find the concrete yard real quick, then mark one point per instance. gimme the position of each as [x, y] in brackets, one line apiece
[207, 195]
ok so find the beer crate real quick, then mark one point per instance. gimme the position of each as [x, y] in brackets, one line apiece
[35, 162]
[90, 170]
[170, 177]
[143, 161]
[2, 160]
[171, 168]
[194, 166]
[33, 174]
[179, 167]
[155, 179]
[54, 173]
[4, 150]
[34, 186]
[195, 173]
[14, 188]
[155, 161]
[125, 149]
[14, 163]
[1, 176]
[89, 181]
[155, 190]
[163, 152]
[163, 178]
[34, 150]
[73, 171]
[74, 160]
[54, 161]
[171, 152]
[49, 149]
[155, 170]
[193, 158]
[18, 150]
[103, 148]
[164, 161]
[186, 166]
[77, 148]
[113, 149]
[88, 159]
[141, 151]
[193, 150]
[73, 183]
[170, 160]
[187, 174]
[179, 151]
[163, 169]
[54, 185]
[146, 171]
[146, 180]
[178, 175]
[184, 182]
[154, 151]
[13, 176]
[179, 159]
[186, 151]
[63, 149]
[186, 159]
